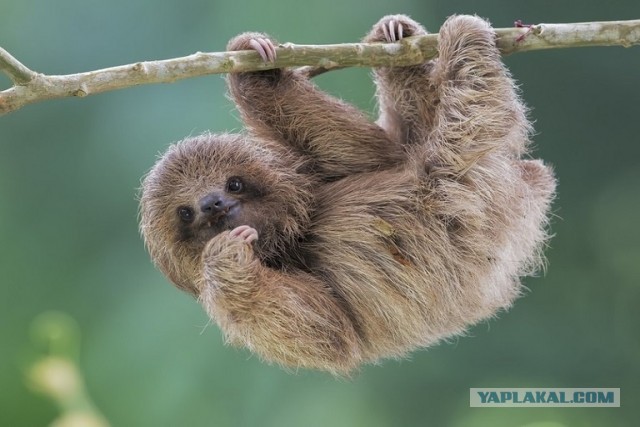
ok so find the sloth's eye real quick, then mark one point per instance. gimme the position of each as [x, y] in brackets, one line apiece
[234, 185]
[186, 214]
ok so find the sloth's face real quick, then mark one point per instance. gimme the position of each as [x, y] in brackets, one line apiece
[216, 209]
[205, 185]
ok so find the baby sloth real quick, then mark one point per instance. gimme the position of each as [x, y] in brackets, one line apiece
[319, 239]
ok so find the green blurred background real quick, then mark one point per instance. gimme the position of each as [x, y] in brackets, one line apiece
[69, 172]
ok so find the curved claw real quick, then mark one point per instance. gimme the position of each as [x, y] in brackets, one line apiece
[393, 31]
[385, 31]
[244, 232]
[265, 49]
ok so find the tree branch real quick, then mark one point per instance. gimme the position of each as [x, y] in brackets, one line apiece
[30, 87]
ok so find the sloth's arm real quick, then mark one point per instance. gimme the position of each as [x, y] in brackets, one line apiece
[289, 317]
[284, 106]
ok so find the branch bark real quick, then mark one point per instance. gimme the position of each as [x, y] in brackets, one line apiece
[29, 86]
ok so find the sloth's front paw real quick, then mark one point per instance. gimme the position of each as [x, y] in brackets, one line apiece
[245, 233]
[261, 43]
[231, 249]
[393, 28]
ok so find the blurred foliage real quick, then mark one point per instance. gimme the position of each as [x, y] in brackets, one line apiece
[70, 169]
[55, 373]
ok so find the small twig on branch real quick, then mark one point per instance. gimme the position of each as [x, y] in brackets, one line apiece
[30, 87]
[17, 72]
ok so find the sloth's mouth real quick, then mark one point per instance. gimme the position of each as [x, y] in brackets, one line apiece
[221, 218]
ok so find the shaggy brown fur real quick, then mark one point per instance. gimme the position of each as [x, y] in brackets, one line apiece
[374, 239]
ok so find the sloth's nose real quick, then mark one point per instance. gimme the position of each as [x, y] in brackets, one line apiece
[214, 203]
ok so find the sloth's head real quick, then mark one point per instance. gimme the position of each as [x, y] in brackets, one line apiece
[207, 184]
